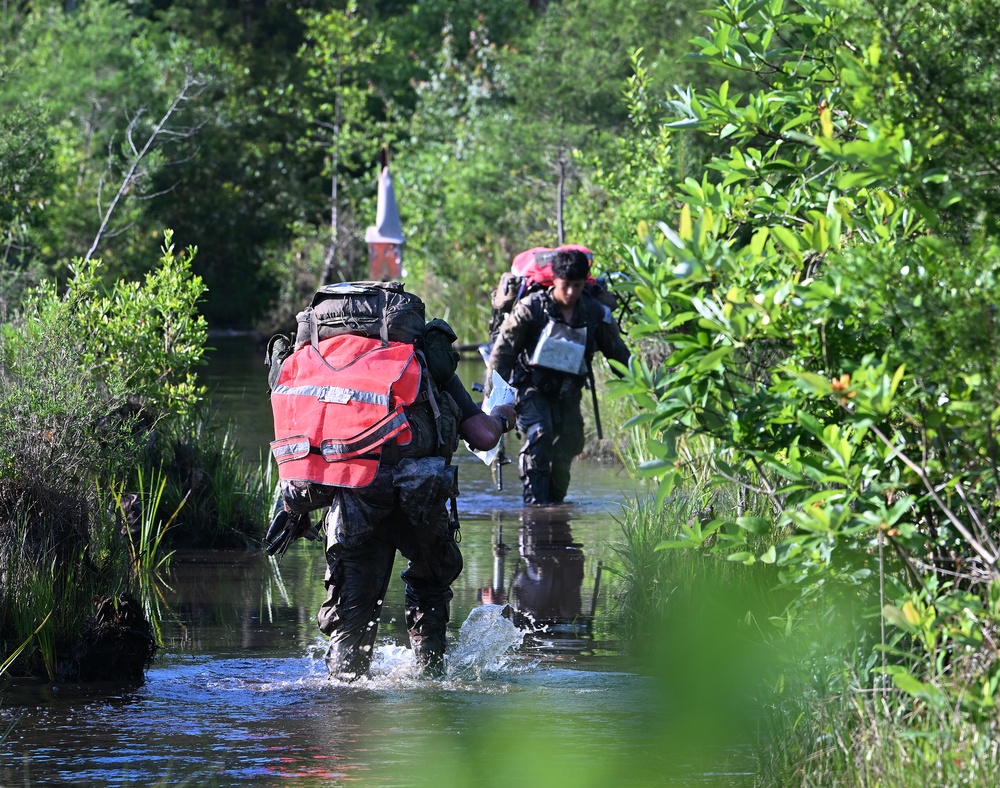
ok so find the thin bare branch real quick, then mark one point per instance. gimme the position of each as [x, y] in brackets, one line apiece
[134, 172]
[981, 551]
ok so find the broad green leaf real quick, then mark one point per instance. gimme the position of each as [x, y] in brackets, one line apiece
[918, 689]
[817, 383]
[653, 467]
[950, 199]
[758, 241]
[713, 360]
[755, 525]
[787, 238]
[666, 487]
[856, 179]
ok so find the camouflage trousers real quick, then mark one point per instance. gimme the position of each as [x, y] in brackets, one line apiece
[553, 430]
[404, 509]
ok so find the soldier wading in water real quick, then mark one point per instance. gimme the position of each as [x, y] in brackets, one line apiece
[368, 411]
[545, 349]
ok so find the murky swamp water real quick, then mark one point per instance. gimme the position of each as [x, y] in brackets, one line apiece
[239, 693]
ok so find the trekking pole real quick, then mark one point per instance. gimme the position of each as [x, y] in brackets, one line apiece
[593, 394]
[498, 463]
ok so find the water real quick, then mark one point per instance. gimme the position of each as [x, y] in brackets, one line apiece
[239, 694]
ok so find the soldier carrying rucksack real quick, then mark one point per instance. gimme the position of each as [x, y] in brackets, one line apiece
[368, 411]
[544, 348]
[531, 270]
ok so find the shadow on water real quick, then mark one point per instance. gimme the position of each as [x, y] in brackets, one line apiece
[239, 695]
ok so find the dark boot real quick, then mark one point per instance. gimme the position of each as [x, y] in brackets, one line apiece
[427, 628]
[536, 488]
[428, 652]
[356, 583]
[348, 661]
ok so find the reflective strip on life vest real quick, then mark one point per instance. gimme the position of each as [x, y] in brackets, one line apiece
[333, 450]
[337, 394]
[290, 448]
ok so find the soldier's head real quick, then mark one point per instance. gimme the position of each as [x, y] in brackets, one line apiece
[570, 269]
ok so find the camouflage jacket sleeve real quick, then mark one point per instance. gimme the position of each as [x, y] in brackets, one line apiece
[517, 330]
[609, 340]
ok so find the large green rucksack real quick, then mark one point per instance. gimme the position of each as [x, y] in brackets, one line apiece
[373, 309]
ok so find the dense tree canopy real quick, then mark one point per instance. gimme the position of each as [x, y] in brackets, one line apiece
[486, 110]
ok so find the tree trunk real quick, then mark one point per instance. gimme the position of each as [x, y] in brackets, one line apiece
[331, 253]
[560, 199]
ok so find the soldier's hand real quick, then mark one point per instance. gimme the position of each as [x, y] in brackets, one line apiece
[507, 416]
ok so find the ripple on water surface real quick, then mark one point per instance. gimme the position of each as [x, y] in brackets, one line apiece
[243, 721]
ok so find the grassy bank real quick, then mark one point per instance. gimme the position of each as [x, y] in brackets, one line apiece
[806, 685]
[108, 461]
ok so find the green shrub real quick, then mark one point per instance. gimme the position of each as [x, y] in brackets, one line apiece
[828, 288]
[84, 378]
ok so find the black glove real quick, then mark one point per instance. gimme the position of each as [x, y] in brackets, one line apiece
[442, 358]
[285, 528]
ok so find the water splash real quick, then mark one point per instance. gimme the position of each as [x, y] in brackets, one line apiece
[484, 643]
[393, 661]
[484, 647]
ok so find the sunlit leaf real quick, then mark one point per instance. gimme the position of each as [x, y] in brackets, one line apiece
[911, 612]
[684, 230]
[826, 122]
[787, 238]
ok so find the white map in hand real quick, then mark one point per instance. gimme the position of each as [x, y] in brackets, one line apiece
[502, 394]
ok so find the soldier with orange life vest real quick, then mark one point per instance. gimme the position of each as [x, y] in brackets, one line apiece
[368, 411]
[545, 349]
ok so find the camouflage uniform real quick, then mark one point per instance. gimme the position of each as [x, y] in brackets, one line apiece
[548, 401]
[405, 508]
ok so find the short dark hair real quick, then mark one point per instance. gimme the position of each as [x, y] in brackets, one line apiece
[570, 264]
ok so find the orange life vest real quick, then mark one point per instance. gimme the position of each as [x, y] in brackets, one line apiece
[337, 403]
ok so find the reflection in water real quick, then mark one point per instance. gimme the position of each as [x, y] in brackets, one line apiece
[546, 587]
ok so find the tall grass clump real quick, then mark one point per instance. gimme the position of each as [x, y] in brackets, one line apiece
[643, 574]
[657, 556]
[225, 497]
[846, 734]
[143, 527]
